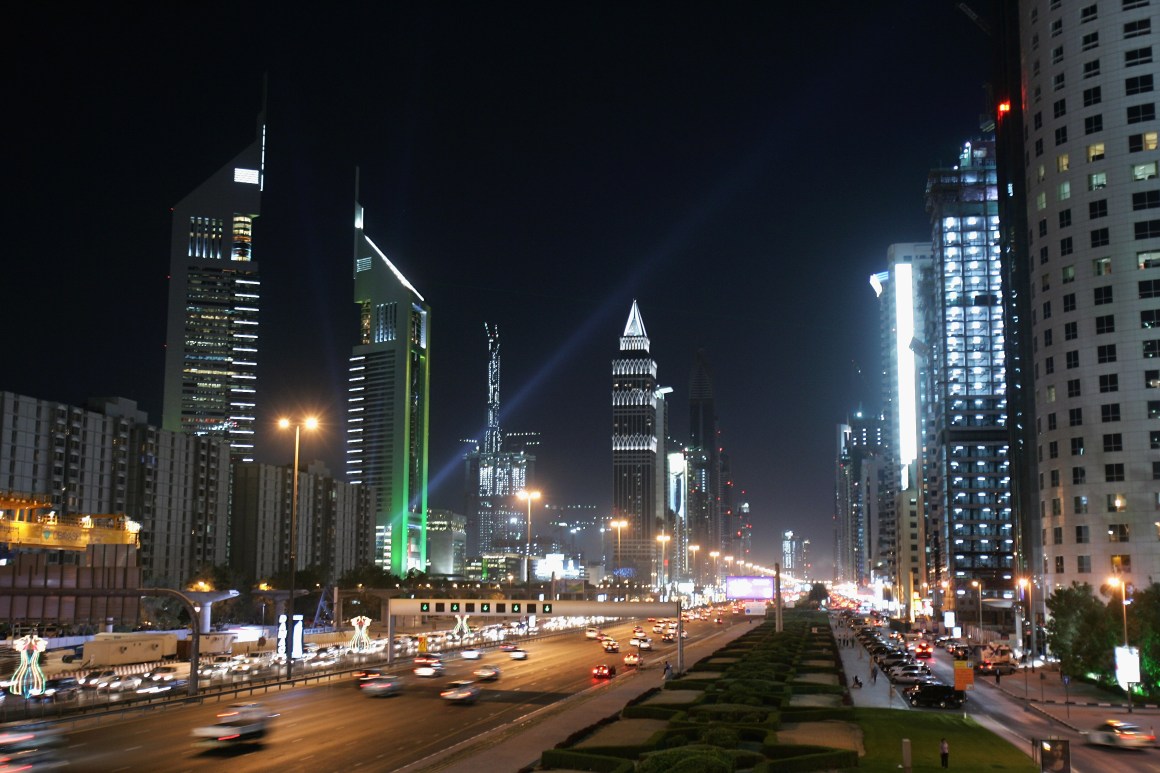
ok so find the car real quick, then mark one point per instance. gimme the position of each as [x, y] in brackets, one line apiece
[632, 659]
[486, 673]
[923, 650]
[591, 633]
[943, 696]
[1117, 733]
[31, 747]
[428, 660]
[362, 674]
[97, 680]
[162, 674]
[428, 670]
[634, 641]
[604, 671]
[471, 653]
[644, 643]
[518, 654]
[240, 723]
[912, 677]
[508, 647]
[381, 686]
[125, 683]
[63, 688]
[611, 645]
[461, 691]
[669, 638]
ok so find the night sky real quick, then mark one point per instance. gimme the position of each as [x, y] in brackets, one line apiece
[737, 168]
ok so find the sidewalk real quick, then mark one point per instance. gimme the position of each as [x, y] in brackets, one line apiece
[879, 693]
[519, 745]
[1078, 706]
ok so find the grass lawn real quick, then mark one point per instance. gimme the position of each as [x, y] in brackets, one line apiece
[972, 747]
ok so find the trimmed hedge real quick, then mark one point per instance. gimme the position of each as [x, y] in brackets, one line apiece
[688, 759]
[573, 760]
[652, 712]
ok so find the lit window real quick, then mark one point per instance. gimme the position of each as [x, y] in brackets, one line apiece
[1095, 152]
[1141, 142]
[1144, 171]
[1062, 162]
[1097, 181]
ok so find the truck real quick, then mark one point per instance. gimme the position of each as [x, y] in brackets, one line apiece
[117, 649]
[241, 723]
[995, 658]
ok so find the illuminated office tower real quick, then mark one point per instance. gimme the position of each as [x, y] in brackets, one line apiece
[967, 499]
[1089, 163]
[387, 405]
[900, 550]
[638, 461]
[211, 341]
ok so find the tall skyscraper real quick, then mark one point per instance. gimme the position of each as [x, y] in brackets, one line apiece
[638, 454]
[496, 518]
[1090, 160]
[211, 354]
[901, 549]
[387, 405]
[968, 477]
[706, 526]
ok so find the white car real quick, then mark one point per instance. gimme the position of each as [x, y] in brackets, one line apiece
[428, 670]
[632, 659]
[644, 643]
[518, 654]
[1116, 733]
[471, 653]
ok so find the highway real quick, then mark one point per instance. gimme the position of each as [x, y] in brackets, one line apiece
[332, 726]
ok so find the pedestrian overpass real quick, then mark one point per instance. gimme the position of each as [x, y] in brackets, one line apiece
[463, 609]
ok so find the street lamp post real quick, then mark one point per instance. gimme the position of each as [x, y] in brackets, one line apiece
[696, 575]
[529, 496]
[664, 540]
[1028, 584]
[979, 584]
[715, 554]
[1123, 602]
[310, 423]
[618, 524]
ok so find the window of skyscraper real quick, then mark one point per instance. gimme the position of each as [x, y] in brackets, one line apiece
[1138, 56]
[1083, 564]
[1137, 143]
[1102, 295]
[1097, 209]
[1106, 353]
[1105, 324]
[1147, 229]
[1142, 113]
[1070, 331]
[1078, 476]
[1109, 382]
[1146, 200]
[1135, 29]
[1090, 41]
[1140, 84]
[1092, 96]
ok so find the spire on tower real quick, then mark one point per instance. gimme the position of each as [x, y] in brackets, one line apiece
[492, 438]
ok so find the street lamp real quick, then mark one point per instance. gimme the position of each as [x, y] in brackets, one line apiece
[310, 423]
[618, 524]
[979, 584]
[715, 554]
[1123, 602]
[1028, 585]
[528, 495]
[664, 540]
[693, 549]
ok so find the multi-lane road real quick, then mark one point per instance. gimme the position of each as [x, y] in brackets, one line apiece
[332, 726]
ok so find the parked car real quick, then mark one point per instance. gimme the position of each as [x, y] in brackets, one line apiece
[943, 696]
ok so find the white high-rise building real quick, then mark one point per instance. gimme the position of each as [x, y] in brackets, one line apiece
[1091, 159]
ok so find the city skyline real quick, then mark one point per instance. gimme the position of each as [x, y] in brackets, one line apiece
[734, 171]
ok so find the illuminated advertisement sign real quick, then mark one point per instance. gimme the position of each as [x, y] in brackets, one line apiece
[739, 588]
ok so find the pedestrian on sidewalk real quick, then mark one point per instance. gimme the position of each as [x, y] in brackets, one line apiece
[668, 670]
[944, 753]
[873, 674]
[998, 676]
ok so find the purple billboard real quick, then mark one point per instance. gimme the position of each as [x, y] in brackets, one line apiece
[741, 588]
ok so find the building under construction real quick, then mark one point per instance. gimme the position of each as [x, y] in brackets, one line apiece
[41, 549]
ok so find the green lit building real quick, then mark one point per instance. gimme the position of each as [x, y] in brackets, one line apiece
[387, 409]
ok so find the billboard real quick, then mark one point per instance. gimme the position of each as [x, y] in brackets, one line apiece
[741, 588]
